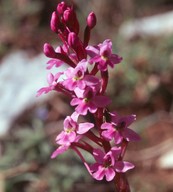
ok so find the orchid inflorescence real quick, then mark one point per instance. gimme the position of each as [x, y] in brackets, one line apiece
[85, 82]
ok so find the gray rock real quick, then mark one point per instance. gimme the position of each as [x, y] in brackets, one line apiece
[157, 25]
[166, 160]
[20, 78]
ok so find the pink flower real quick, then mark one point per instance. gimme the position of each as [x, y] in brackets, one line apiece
[102, 54]
[52, 81]
[118, 129]
[76, 77]
[72, 133]
[72, 130]
[107, 164]
[88, 100]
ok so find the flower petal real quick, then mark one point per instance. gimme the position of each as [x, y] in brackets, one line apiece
[82, 108]
[84, 127]
[75, 101]
[54, 62]
[108, 134]
[110, 174]
[92, 50]
[123, 166]
[99, 174]
[130, 135]
[106, 126]
[43, 90]
[59, 150]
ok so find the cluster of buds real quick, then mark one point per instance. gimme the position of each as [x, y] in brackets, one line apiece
[85, 82]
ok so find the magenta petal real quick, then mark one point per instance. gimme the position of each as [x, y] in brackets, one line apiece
[108, 134]
[130, 135]
[82, 109]
[117, 137]
[99, 174]
[54, 62]
[115, 59]
[101, 101]
[72, 136]
[50, 78]
[91, 80]
[57, 76]
[60, 136]
[95, 59]
[81, 84]
[69, 84]
[107, 42]
[75, 101]
[110, 174]
[63, 138]
[43, 90]
[130, 119]
[106, 126]
[79, 92]
[116, 152]
[59, 151]
[94, 167]
[103, 65]
[69, 123]
[91, 107]
[127, 119]
[123, 166]
[92, 50]
[84, 127]
[75, 116]
[69, 72]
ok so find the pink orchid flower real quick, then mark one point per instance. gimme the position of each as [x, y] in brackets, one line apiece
[52, 81]
[88, 100]
[72, 130]
[76, 77]
[119, 129]
[107, 164]
[102, 54]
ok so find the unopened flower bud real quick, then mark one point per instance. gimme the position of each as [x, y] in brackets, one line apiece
[76, 44]
[71, 21]
[61, 8]
[49, 50]
[91, 20]
[68, 15]
[72, 39]
[54, 22]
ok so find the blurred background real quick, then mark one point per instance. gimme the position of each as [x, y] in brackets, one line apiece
[142, 33]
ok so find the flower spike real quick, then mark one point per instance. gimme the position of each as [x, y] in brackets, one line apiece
[105, 136]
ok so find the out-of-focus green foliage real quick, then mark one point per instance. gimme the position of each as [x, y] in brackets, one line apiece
[26, 162]
[146, 71]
